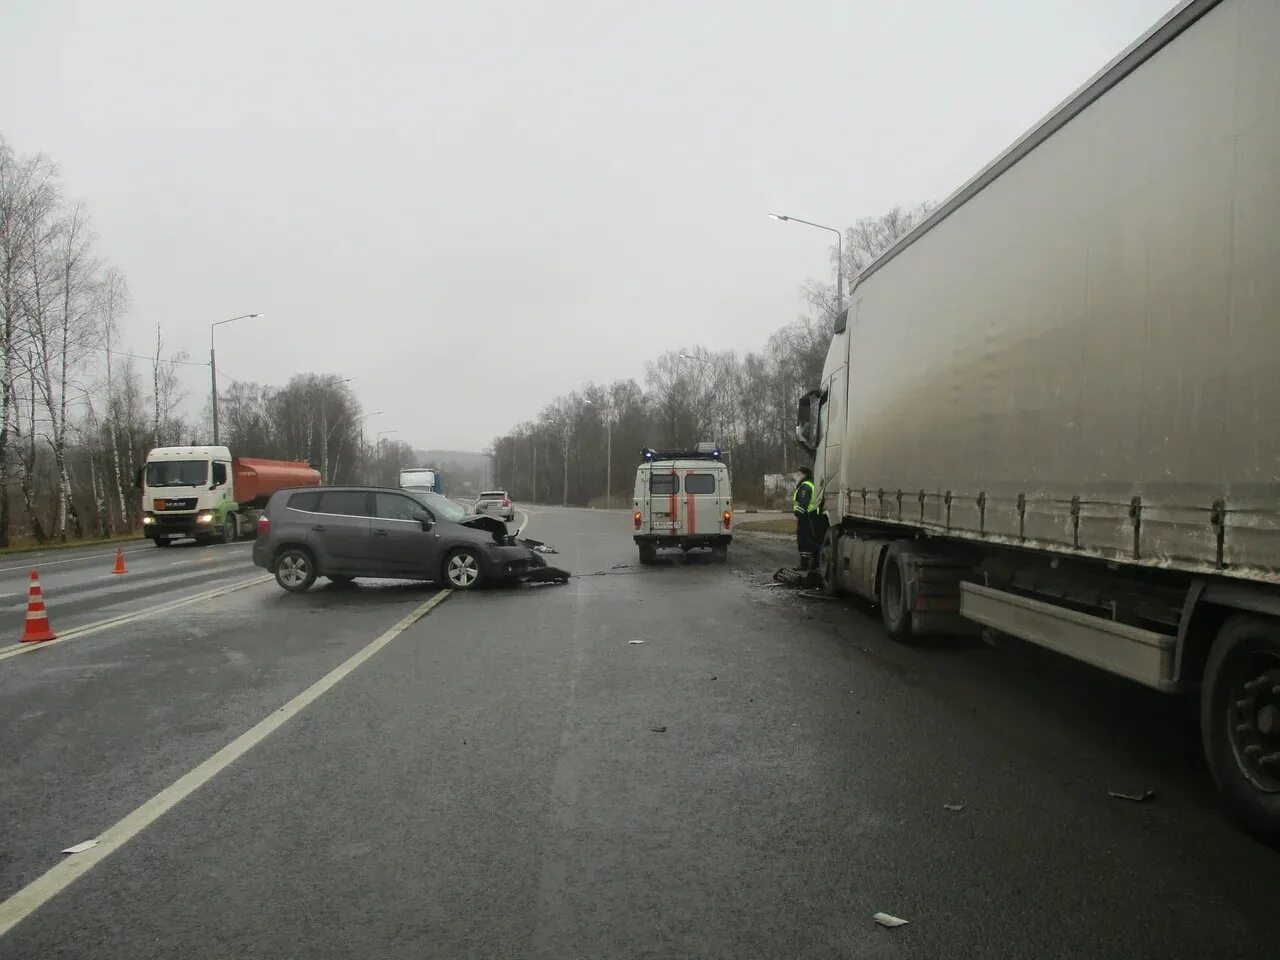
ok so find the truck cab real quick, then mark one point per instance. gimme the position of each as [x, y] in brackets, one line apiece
[683, 500]
[185, 494]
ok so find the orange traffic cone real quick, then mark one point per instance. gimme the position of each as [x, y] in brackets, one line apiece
[119, 567]
[37, 626]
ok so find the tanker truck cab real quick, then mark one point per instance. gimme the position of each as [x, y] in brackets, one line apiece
[205, 494]
[682, 499]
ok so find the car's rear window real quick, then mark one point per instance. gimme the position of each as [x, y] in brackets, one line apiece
[305, 501]
[700, 483]
[664, 484]
[493, 495]
[349, 503]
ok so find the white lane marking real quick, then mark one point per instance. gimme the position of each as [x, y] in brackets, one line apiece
[15, 649]
[44, 888]
[99, 556]
[520, 531]
[50, 563]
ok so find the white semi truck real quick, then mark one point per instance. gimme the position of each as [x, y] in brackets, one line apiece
[205, 494]
[1053, 408]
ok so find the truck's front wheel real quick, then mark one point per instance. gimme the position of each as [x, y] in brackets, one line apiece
[1240, 721]
[230, 528]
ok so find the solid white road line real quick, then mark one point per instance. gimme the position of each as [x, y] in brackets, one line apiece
[76, 633]
[50, 563]
[44, 888]
[99, 556]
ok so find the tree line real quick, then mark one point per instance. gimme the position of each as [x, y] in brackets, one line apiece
[583, 448]
[78, 413]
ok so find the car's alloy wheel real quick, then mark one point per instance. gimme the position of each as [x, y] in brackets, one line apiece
[294, 571]
[463, 570]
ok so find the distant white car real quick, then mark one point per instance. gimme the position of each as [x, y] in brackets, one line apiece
[495, 503]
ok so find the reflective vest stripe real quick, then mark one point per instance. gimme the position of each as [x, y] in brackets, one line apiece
[795, 497]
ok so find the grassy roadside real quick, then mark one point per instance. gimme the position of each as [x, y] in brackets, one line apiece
[773, 525]
[20, 545]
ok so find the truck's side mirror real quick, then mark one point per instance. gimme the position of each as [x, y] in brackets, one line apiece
[137, 478]
[807, 420]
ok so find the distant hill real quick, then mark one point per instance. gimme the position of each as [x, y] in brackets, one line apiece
[463, 458]
[465, 472]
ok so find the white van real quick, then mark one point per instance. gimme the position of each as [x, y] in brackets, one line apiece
[682, 499]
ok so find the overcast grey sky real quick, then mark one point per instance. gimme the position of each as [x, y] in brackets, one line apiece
[472, 207]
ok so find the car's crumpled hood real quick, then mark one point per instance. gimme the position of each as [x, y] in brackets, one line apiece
[489, 524]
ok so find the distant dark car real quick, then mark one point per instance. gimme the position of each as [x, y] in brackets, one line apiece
[347, 532]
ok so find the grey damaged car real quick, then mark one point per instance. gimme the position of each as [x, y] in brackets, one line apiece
[343, 533]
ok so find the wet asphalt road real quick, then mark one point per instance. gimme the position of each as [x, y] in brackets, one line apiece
[511, 776]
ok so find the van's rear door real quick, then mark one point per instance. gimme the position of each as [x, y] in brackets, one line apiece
[665, 510]
[703, 499]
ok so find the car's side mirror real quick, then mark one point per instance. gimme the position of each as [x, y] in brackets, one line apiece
[427, 523]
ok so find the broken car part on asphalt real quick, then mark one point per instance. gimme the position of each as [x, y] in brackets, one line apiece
[539, 570]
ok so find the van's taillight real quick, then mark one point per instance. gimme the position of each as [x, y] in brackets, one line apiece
[264, 526]
[506, 502]
[727, 517]
[638, 518]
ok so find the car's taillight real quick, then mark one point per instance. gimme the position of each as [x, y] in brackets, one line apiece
[638, 518]
[264, 526]
[727, 517]
[506, 502]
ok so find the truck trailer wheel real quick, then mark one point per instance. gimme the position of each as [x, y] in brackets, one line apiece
[1240, 721]
[895, 610]
[648, 554]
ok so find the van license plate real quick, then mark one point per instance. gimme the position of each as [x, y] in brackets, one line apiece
[665, 524]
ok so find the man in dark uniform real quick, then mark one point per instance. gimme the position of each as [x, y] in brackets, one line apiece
[805, 507]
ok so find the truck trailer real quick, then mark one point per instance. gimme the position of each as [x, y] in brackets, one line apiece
[1051, 409]
[205, 494]
[427, 479]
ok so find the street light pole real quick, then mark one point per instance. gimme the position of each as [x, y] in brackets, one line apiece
[607, 415]
[839, 254]
[715, 416]
[213, 366]
[377, 442]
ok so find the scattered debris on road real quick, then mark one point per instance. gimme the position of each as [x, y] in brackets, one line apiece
[82, 846]
[635, 641]
[888, 920]
[953, 807]
[799, 579]
[1142, 797]
[546, 574]
[658, 729]
[812, 595]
